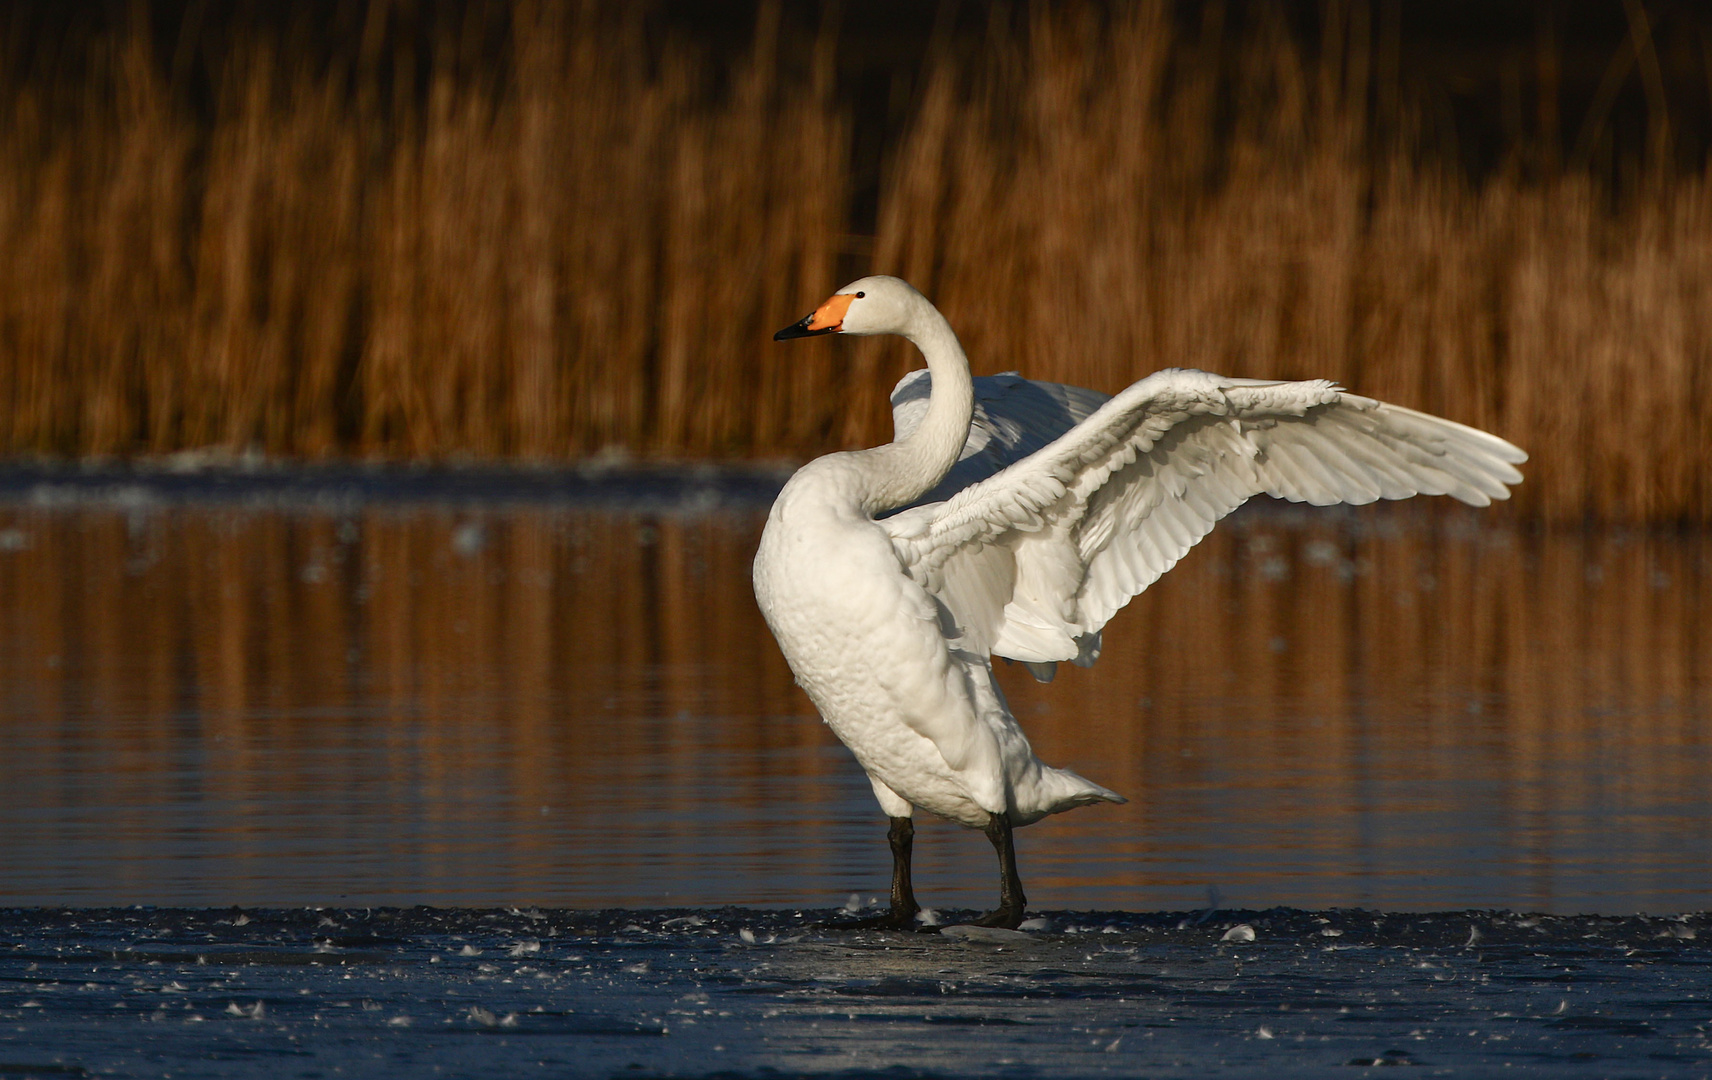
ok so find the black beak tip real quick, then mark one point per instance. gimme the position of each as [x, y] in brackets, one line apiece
[800, 330]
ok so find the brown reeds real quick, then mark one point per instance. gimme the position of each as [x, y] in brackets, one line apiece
[561, 250]
[581, 242]
[1081, 215]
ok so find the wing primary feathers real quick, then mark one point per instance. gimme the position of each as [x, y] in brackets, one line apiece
[1092, 499]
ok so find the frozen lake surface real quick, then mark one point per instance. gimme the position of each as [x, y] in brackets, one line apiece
[747, 993]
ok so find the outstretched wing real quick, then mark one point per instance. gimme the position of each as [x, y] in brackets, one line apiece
[1034, 559]
[1014, 417]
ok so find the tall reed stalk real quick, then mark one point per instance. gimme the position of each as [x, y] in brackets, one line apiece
[583, 243]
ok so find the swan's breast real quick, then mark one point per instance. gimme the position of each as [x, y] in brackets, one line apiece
[826, 576]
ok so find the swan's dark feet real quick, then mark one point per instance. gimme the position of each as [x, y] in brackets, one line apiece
[1012, 902]
[1004, 918]
[890, 920]
[904, 908]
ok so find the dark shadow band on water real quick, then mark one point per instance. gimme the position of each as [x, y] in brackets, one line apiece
[652, 487]
[612, 484]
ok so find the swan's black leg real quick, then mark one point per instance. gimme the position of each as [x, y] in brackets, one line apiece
[1011, 900]
[904, 908]
[902, 838]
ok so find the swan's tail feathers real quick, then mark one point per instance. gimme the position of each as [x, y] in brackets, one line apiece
[1057, 790]
[1086, 791]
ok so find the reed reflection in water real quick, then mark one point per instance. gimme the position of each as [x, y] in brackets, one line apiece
[1403, 707]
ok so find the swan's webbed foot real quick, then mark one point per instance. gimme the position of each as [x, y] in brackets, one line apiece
[888, 920]
[1004, 918]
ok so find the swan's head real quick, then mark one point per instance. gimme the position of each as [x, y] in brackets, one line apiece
[870, 305]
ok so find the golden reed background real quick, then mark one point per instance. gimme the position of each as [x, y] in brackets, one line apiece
[614, 666]
[586, 243]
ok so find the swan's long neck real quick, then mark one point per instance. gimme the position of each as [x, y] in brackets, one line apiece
[900, 472]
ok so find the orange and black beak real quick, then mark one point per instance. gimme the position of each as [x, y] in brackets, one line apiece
[828, 318]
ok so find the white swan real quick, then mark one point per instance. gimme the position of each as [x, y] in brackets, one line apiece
[1046, 508]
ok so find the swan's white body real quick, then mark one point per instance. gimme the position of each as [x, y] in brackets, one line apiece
[1046, 509]
[891, 674]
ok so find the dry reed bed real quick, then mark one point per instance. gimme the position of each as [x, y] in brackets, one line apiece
[587, 246]
[576, 254]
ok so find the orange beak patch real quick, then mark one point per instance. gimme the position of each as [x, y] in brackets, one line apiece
[830, 315]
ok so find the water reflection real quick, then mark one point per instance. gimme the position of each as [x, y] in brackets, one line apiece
[1408, 707]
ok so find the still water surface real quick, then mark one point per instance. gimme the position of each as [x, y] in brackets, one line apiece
[360, 701]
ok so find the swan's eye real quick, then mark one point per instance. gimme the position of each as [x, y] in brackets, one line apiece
[860, 295]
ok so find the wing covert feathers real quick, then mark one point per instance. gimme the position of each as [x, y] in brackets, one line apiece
[1013, 418]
